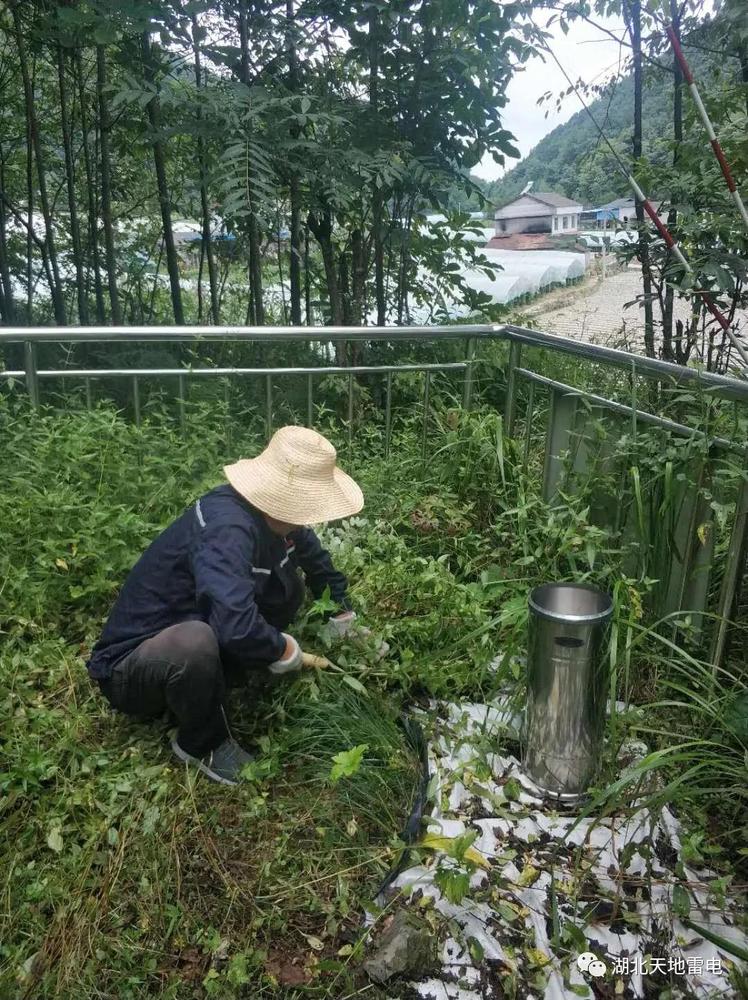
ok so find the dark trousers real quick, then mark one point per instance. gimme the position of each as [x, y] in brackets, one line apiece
[180, 670]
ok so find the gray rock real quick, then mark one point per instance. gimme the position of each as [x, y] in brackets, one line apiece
[406, 947]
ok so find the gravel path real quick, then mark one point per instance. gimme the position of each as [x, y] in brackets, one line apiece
[602, 311]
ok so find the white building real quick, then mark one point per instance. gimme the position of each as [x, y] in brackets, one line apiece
[538, 212]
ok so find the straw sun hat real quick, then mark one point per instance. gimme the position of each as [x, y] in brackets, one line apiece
[295, 479]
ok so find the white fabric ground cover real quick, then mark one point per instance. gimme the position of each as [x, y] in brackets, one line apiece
[613, 879]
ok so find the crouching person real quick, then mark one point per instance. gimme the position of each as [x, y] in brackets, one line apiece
[212, 596]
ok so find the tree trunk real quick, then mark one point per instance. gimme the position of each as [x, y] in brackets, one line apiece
[8, 311]
[206, 241]
[377, 198]
[30, 230]
[280, 267]
[58, 301]
[295, 256]
[255, 257]
[321, 229]
[632, 12]
[358, 277]
[75, 235]
[673, 351]
[159, 160]
[255, 262]
[307, 279]
[379, 269]
[200, 283]
[92, 255]
[404, 267]
[105, 126]
[294, 191]
[345, 290]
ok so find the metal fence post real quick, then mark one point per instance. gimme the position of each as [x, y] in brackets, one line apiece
[426, 393]
[702, 562]
[32, 379]
[388, 416]
[268, 406]
[136, 399]
[682, 589]
[528, 425]
[309, 401]
[733, 563]
[467, 391]
[180, 400]
[350, 411]
[561, 419]
[510, 405]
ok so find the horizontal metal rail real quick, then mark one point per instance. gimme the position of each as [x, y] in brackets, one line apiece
[723, 385]
[641, 415]
[189, 372]
[264, 334]
[637, 364]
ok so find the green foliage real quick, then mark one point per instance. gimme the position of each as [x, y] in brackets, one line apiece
[347, 762]
[128, 876]
[341, 122]
[453, 882]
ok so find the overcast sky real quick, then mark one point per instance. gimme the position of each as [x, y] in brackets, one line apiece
[585, 52]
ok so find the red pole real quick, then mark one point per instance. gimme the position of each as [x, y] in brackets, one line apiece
[703, 114]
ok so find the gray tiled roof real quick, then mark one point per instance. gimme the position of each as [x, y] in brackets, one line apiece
[618, 203]
[551, 198]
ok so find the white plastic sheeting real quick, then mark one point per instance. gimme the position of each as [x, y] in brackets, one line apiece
[524, 272]
[625, 863]
[532, 271]
[597, 237]
[517, 273]
[540, 274]
[504, 287]
[482, 236]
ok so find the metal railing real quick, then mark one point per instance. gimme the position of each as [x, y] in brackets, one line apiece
[32, 375]
[562, 409]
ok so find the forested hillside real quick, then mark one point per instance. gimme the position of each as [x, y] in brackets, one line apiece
[572, 159]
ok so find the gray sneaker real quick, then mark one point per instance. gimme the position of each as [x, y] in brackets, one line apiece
[224, 764]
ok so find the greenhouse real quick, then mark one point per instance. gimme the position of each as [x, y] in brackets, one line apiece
[523, 274]
[559, 265]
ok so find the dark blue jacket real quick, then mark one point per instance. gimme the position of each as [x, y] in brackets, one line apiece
[219, 563]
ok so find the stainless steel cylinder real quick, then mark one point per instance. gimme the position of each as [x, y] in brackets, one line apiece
[567, 682]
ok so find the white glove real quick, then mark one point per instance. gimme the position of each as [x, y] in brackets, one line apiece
[345, 624]
[338, 626]
[291, 662]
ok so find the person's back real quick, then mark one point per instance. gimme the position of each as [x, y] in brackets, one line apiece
[159, 591]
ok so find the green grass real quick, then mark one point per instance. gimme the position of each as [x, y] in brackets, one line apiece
[122, 874]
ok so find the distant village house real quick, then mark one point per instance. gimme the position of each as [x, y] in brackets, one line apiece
[622, 210]
[538, 212]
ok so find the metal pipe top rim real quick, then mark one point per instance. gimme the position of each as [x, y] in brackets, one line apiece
[63, 334]
[539, 603]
